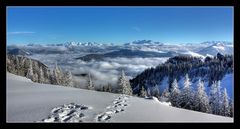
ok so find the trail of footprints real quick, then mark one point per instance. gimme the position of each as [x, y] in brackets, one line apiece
[67, 113]
[118, 106]
[76, 113]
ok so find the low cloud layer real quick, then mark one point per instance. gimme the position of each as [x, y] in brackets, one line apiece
[103, 72]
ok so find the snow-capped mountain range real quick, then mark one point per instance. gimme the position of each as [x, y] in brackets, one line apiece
[208, 48]
[136, 42]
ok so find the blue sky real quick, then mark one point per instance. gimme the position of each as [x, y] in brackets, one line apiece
[118, 24]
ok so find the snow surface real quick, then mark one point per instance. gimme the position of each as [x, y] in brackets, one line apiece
[30, 102]
[217, 48]
[33, 102]
[147, 110]
[227, 82]
[194, 54]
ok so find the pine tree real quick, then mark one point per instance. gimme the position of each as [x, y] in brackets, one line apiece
[109, 88]
[225, 111]
[30, 74]
[41, 75]
[174, 94]
[201, 101]
[124, 84]
[187, 95]
[68, 79]
[9, 64]
[57, 75]
[212, 99]
[219, 97]
[52, 77]
[103, 89]
[36, 77]
[17, 65]
[47, 78]
[90, 84]
[215, 98]
[165, 95]
[149, 92]
[155, 91]
[143, 92]
[55, 79]
[231, 108]
[7, 60]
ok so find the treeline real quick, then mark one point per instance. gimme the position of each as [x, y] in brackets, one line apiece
[210, 69]
[37, 71]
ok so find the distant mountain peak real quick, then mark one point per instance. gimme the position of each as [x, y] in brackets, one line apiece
[217, 43]
[217, 47]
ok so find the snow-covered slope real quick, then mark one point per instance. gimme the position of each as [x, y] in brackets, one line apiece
[144, 110]
[33, 102]
[190, 53]
[29, 102]
[217, 48]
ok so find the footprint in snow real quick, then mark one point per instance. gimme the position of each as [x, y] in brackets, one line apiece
[118, 106]
[67, 113]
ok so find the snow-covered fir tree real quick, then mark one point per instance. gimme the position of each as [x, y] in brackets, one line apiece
[8, 61]
[90, 84]
[165, 95]
[23, 59]
[149, 92]
[231, 108]
[30, 74]
[143, 92]
[124, 84]
[201, 101]
[225, 110]
[41, 75]
[68, 79]
[17, 64]
[215, 98]
[47, 78]
[155, 91]
[36, 77]
[175, 94]
[103, 89]
[54, 78]
[57, 75]
[187, 95]
[109, 88]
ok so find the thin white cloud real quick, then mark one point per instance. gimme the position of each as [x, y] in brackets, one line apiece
[136, 29]
[20, 32]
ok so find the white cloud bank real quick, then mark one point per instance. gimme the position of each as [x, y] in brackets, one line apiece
[103, 72]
